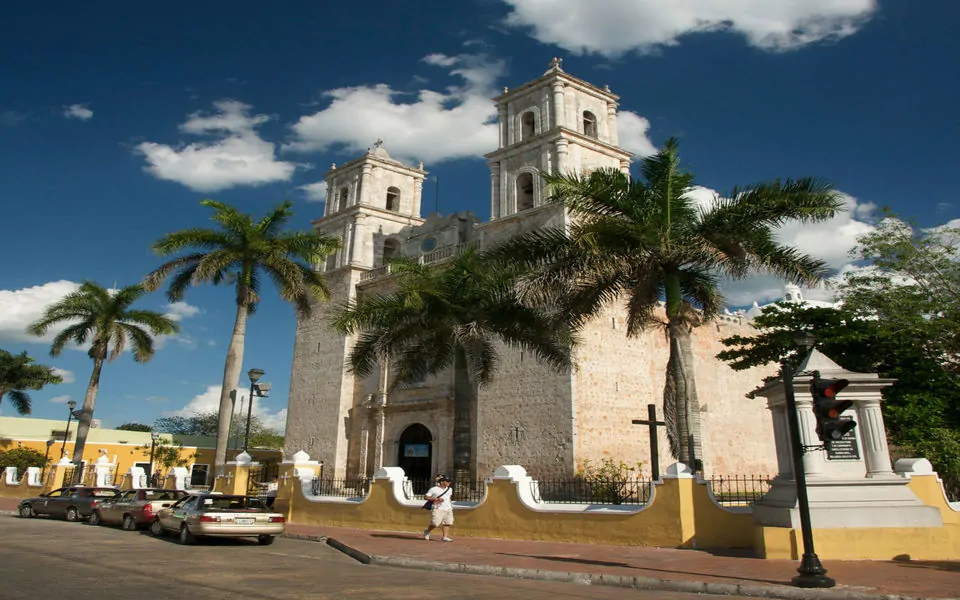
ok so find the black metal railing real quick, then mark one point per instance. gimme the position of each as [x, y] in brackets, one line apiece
[356, 487]
[470, 491]
[739, 490]
[592, 491]
[69, 476]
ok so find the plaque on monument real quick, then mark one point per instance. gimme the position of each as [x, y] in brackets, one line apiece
[845, 448]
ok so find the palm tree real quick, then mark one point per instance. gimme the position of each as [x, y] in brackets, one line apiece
[17, 374]
[103, 317]
[647, 240]
[449, 316]
[240, 251]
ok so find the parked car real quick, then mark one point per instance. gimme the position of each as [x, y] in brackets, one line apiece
[219, 515]
[134, 508]
[72, 503]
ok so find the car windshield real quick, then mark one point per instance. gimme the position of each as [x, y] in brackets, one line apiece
[103, 493]
[227, 503]
[154, 495]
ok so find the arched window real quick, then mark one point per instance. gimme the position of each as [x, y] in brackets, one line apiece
[342, 196]
[391, 249]
[528, 125]
[393, 199]
[524, 191]
[589, 124]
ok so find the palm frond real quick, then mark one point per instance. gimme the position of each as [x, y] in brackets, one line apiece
[20, 400]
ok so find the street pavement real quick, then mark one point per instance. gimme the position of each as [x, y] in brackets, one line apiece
[42, 558]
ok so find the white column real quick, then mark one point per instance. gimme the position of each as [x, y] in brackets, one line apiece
[625, 166]
[365, 184]
[612, 124]
[504, 125]
[558, 104]
[331, 199]
[781, 436]
[562, 155]
[417, 196]
[380, 417]
[495, 190]
[364, 443]
[876, 454]
[812, 459]
[354, 191]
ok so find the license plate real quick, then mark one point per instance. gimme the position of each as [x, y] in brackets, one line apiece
[246, 521]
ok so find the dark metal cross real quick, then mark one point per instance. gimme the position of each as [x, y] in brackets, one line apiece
[652, 424]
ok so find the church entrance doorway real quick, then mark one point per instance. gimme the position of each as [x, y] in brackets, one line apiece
[416, 456]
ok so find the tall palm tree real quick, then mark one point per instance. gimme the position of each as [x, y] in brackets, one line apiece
[647, 240]
[240, 251]
[449, 316]
[18, 374]
[106, 319]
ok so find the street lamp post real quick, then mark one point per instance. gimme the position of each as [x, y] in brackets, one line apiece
[254, 375]
[46, 458]
[66, 434]
[154, 436]
[811, 571]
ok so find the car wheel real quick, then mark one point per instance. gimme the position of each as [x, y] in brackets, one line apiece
[128, 523]
[266, 540]
[26, 511]
[156, 529]
[186, 538]
[73, 514]
[95, 518]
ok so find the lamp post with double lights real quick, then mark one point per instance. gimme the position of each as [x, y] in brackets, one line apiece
[66, 434]
[257, 390]
[154, 436]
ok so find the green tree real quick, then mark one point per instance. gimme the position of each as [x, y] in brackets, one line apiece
[241, 251]
[18, 374]
[647, 240]
[166, 455]
[21, 458]
[104, 319]
[921, 410]
[449, 316]
[206, 423]
[135, 427]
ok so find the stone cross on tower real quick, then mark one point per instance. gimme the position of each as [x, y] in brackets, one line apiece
[556, 64]
[378, 143]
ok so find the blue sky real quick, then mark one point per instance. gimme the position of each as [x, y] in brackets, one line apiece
[116, 119]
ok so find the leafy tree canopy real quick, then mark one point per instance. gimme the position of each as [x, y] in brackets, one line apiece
[205, 424]
[21, 458]
[18, 374]
[135, 427]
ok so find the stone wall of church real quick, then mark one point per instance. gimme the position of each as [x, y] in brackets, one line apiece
[321, 392]
[618, 377]
[576, 103]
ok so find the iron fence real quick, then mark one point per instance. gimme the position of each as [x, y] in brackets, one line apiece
[356, 487]
[634, 491]
[69, 475]
[739, 490]
[470, 491]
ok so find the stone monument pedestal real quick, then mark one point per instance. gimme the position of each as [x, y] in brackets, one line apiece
[851, 485]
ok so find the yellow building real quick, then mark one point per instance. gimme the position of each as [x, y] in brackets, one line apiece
[124, 449]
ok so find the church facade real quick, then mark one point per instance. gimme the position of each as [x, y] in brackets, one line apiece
[529, 415]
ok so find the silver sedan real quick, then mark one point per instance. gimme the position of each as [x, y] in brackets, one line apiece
[218, 515]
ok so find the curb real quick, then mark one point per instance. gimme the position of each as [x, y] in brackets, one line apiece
[638, 583]
[8, 513]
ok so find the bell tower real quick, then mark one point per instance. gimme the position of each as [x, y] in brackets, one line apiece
[556, 123]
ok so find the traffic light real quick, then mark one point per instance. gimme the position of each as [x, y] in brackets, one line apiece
[826, 407]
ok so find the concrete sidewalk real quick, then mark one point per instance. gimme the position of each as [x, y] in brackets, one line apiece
[639, 567]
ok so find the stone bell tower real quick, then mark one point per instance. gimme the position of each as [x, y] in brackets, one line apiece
[556, 123]
[368, 199]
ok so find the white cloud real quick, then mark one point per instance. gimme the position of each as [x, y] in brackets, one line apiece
[60, 399]
[19, 308]
[315, 192]
[433, 126]
[614, 27]
[209, 401]
[632, 129]
[77, 111]
[179, 311]
[67, 376]
[239, 156]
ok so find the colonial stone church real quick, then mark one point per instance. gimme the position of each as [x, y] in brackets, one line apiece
[531, 416]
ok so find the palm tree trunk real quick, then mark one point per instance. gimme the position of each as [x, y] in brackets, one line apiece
[231, 378]
[462, 429]
[681, 405]
[86, 415]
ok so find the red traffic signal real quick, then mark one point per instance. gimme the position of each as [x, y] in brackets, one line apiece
[828, 410]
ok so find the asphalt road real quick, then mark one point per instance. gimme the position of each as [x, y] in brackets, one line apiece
[41, 558]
